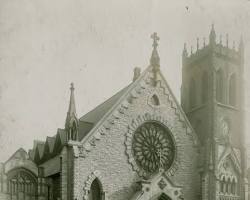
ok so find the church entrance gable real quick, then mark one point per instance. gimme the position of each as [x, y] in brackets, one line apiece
[158, 188]
[146, 119]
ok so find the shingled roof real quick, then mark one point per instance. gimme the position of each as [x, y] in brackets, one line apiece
[51, 142]
[89, 120]
[96, 114]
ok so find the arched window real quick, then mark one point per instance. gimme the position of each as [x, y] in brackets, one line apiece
[192, 93]
[72, 133]
[95, 192]
[232, 90]
[233, 187]
[219, 86]
[22, 184]
[227, 186]
[221, 186]
[224, 184]
[155, 100]
[204, 91]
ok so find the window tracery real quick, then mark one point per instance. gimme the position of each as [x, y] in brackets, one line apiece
[21, 184]
[228, 180]
[192, 93]
[153, 147]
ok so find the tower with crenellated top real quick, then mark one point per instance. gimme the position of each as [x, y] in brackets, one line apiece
[213, 97]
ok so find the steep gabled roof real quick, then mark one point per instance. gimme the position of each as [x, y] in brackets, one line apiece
[50, 141]
[145, 78]
[40, 148]
[19, 154]
[48, 148]
[96, 114]
[84, 128]
[89, 120]
[60, 140]
[62, 135]
[32, 154]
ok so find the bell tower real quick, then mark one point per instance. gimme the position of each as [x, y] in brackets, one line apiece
[212, 97]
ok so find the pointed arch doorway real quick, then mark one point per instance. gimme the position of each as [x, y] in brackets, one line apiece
[163, 196]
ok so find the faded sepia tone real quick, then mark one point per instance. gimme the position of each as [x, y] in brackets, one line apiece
[189, 99]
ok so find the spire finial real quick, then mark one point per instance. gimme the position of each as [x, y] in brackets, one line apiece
[72, 86]
[72, 107]
[155, 59]
[155, 38]
[212, 35]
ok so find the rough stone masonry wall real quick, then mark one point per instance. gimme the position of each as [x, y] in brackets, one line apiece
[108, 156]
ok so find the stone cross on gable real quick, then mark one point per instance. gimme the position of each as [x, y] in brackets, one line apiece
[155, 38]
[72, 86]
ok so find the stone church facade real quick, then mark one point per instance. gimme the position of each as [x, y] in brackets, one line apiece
[141, 144]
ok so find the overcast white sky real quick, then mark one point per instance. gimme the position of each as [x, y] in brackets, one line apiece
[46, 44]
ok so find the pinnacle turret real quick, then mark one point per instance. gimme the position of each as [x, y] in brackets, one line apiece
[184, 52]
[71, 123]
[72, 107]
[212, 36]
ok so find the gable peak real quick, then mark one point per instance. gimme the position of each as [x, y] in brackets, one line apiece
[155, 59]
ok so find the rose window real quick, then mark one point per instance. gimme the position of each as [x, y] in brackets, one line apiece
[153, 147]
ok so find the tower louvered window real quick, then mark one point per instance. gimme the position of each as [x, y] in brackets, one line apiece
[232, 90]
[192, 93]
[219, 86]
[204, 91]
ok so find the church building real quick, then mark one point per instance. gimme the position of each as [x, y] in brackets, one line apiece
[141, 144]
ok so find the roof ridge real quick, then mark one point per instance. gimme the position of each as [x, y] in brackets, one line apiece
[104, 102]
[129, 87]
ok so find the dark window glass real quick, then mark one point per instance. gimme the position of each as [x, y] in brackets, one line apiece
[192, 93]
[219, 86]
[95, 191]
[204, 92]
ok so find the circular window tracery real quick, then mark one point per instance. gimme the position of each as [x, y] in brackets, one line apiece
[153, 147]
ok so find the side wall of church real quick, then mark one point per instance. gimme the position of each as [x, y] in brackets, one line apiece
[108, 155]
